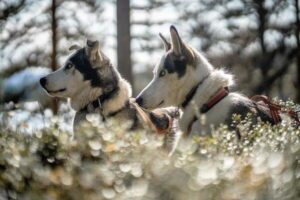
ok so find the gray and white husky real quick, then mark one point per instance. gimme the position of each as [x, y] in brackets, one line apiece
[183, 77]
[95, 86]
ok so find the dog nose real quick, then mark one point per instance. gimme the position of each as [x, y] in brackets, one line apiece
[43, 81]
[139, 101]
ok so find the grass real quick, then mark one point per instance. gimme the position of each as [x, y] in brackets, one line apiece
[105, 162]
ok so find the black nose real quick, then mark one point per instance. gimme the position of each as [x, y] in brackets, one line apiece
[139, 101]
[43, 81]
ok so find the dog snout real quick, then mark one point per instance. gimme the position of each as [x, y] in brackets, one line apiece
[43, 81]
[139, 101]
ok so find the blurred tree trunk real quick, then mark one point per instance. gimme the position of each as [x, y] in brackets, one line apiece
[123, 39]
[297, 32]
[261, 16]
[54, 47]
[261, 12]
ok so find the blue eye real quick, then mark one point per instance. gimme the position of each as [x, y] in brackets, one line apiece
[162, 73]
[69, 66]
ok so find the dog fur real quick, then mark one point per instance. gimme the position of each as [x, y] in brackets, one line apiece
[178, 71]
[89, 77]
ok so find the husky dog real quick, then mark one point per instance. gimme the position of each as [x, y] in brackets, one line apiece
[183, 77]
[95, 86]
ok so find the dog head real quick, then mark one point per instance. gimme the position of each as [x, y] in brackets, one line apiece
[162, 118]
[174, 72]
[87, 72]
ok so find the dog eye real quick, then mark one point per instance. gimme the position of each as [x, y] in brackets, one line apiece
[162, 73]
[69, 66]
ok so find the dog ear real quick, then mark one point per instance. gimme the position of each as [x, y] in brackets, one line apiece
[92, 49]
[180, 48]
[74, 47]
[167, 44]
[176, 41]
[94, 52]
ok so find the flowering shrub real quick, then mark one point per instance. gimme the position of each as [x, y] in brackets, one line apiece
[106, 162]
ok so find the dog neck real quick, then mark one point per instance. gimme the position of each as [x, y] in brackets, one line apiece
[209, 86]
[120, 100]
[216, 80]
[84, 97]
[192, 92]
[112, 103]
[197, 75]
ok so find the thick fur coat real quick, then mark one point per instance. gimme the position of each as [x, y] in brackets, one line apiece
[182, 69]
[93, 85]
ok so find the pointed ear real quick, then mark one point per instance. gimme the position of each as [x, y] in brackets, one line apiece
[92, 49]
[176, 41]
[74, 47]
[167, 44]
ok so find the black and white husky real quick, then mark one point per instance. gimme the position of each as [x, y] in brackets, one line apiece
[95, 86]
[184, 78]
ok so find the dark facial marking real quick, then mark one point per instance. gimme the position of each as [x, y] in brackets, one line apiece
[159, 120]
[68, 66]
[106, 79]
[83, 65]
[175, 64]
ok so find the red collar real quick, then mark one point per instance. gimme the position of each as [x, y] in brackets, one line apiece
[221, 94]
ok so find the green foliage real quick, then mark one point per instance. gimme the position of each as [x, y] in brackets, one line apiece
[105, 162]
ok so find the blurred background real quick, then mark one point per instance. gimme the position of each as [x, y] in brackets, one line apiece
[257, 40]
